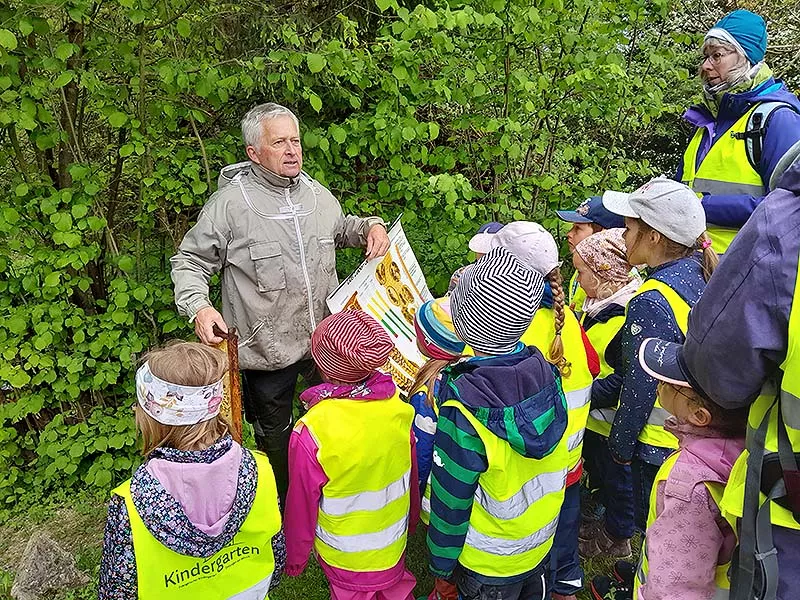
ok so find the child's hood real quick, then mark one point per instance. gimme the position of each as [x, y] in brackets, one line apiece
[517, 397]
[195, 502]
[705, 451]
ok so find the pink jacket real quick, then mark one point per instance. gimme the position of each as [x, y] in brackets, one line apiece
[306, 480]
[689, 537]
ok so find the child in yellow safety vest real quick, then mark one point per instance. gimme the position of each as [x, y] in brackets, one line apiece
[353, 489]
[605, 274]
[436, 339]
[588, 218]
[688, 546]
[500, 459]
[556, 332]
[664, 229]
[200, 517]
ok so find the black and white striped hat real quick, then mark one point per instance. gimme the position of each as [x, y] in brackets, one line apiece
[494, 302]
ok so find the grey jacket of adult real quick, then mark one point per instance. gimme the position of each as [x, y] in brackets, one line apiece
[274, 239]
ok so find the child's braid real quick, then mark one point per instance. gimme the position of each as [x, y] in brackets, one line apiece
[555, 354]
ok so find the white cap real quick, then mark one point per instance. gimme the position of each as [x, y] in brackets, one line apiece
[668, 206]
[531, 243]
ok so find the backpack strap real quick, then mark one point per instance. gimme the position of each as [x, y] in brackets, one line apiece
[756, 128]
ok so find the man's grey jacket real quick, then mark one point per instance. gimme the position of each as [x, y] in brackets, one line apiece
[274, 239]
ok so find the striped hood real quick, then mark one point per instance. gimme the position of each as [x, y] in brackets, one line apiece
[517, 396]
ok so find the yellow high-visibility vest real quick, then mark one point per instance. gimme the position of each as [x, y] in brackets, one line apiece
[242, 569]
[365, 451]
[653, 433]
[577, 295]
[715, 490]
[764, 413]
[725, 169]
[600, 335]
[578, 384]
[516, 506]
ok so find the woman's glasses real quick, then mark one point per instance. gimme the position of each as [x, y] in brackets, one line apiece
[714, 57]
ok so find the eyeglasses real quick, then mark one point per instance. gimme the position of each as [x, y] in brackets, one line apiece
[715, 57]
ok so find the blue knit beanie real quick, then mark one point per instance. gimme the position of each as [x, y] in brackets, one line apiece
[747, 29]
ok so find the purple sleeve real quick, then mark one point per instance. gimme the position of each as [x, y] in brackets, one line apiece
[731, 210]
[683, 546]
[416, 499]
[738, 330]
[783, 131]
[306, 480]
[118, 564]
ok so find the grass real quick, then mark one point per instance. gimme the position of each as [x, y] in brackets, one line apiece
[77, 524]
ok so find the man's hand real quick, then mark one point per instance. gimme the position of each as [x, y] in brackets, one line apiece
[204, 324]
[377, 241]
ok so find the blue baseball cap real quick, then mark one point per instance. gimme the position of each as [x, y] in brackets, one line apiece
[481, 242]
[664, 361]
[592, 211]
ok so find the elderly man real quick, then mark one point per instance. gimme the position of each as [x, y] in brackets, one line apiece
[272, 230]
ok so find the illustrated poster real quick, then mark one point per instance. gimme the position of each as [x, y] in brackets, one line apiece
[391, 289]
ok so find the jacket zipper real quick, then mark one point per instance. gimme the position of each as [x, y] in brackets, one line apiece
[303, 265]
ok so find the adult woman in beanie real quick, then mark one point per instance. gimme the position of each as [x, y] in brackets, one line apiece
[745, 125]
[353, 491]
[666, 230]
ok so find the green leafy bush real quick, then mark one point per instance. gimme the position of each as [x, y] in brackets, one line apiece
[117, 116]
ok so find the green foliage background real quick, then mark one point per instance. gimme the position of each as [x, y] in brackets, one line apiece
[116, 117]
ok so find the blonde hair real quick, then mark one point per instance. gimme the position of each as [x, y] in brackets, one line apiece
[190, 364]
[555, 354]
[426, 377]
[605, 288]
[675, 250]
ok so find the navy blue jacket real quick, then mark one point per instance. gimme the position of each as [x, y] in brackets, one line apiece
[783, 131]
[649, 315]
[606, 390]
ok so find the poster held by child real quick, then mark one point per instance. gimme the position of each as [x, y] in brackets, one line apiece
[197, 489]
[353, 491]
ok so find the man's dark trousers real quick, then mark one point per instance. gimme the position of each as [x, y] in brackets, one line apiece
[268, 397]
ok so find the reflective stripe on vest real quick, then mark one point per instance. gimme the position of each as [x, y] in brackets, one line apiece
[364, 450]
[725, 169]
[600, 335]
[241, 570]
[653, 433]
[366, 500]
[425, 504]
[715, 491]
[515, 508]
[577, 384]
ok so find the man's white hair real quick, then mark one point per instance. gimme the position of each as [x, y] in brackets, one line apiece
[252, 130]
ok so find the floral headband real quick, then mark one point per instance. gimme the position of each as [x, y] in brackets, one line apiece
[173, 404]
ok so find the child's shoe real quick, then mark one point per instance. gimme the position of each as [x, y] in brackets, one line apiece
[624, 572]
[589, 529]
[603, 543]
[605, 588]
